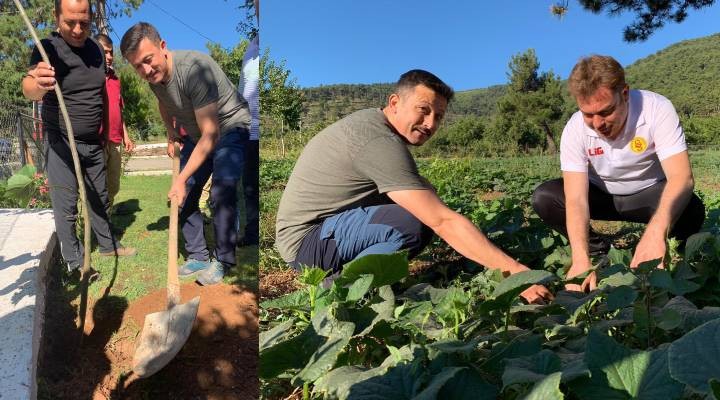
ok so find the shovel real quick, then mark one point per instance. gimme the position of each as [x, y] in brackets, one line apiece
[164, 333]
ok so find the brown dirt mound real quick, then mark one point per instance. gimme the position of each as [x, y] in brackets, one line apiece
[277, 282]
[218, 362]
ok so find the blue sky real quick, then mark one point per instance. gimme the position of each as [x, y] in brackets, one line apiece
[466, 43]
[215, 19]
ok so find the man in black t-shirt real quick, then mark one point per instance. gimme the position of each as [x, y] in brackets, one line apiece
[77, 64]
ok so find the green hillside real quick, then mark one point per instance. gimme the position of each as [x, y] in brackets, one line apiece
[688, 73]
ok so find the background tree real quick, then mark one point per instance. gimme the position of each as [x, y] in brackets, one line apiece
[650, 15]
[529, 113]
[281, 101]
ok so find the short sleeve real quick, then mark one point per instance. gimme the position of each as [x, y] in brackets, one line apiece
[202, 84]
[35, 57]
[390, 165]
[573, 156]
[667, 133]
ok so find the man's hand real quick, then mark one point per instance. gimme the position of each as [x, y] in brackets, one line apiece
[129, 145]
[578, 268]
[44, 76]
[177, 190]
[171, 149]
[537, 294]
[651, 247]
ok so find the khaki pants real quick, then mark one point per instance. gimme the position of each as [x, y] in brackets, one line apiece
[113, 165]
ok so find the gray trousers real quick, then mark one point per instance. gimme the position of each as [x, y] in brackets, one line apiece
[64, 196]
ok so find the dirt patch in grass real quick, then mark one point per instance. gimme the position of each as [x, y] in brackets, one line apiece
[277, 282]
[490, 196]
[218, 362]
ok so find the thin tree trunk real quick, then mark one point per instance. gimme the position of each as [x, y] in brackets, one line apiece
[100, 17]
[550, 145]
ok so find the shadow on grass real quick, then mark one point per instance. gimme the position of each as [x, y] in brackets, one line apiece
[162, 224]
[72, 364]
[124, 215]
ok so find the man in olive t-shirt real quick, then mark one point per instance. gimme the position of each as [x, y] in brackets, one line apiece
[356, 190]
[195, 96]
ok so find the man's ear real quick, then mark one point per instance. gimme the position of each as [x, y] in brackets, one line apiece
[393, 100]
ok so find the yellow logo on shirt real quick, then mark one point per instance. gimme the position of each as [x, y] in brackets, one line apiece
[638, 144]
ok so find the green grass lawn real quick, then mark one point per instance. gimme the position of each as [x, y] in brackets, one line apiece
[144, 226]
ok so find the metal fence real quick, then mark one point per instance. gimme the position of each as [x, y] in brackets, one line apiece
[21, 139]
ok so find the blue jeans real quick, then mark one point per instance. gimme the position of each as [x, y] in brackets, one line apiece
[360, 231]
[225, 164]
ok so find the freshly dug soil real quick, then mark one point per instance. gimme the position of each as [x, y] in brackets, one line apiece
[219, 360]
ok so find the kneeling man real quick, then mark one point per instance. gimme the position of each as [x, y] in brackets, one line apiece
[624, 158]
[355, 189]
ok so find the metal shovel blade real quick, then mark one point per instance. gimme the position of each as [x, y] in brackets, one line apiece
[164, 334]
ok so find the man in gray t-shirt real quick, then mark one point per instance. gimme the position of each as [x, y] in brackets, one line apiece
[355, 190]
[198, 102]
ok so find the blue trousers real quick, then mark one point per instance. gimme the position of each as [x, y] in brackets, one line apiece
[360, 231]
[225, 164]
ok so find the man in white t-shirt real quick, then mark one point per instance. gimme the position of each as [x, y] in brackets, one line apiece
[624, 158]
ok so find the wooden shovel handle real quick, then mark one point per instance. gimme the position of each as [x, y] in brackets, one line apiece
[173, 283]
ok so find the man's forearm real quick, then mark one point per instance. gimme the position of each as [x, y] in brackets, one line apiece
[200, 153]
[673, 201]
[577, 217]
[469, 241]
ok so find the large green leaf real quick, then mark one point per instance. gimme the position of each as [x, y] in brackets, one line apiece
[621, 297]
[695, 243]
[277, 334]
[548, 388]
[639, 374]
[437, 382]
[297, 300]
[337, 334]
[359, 288]
[530, 369]
[338, 382]
[27, 170]
[324, 358]
[695, 357]
[691, 316]
[574, 302]
[617, 256]
[511, 287]
[398, 383]
[386, 268]
[312, 276]
[468, 384]
[19, 187]
[289, 354]
[381, 308]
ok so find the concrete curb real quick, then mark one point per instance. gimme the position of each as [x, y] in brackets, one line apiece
[25, 256]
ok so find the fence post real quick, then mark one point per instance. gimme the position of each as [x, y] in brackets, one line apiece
[21, 138]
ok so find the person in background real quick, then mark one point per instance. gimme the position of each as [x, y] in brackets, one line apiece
[249, 87]
[356, 190]
[115, 135]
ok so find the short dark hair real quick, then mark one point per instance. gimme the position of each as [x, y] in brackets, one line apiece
[132, 38]
[417, 77]
[104, 39]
